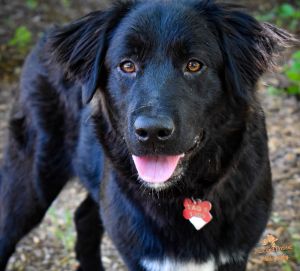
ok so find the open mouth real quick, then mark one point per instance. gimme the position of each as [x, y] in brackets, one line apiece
[158, 169]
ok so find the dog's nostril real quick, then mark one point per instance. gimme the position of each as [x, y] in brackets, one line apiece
[142, 134]
[164, 133]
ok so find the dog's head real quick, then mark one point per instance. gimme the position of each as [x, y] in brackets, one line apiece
[174, 79]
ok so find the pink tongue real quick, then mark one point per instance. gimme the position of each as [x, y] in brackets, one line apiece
[156, 169]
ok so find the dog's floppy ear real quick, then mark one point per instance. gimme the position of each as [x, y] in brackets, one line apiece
[248, 46]
[249, 51]
[80, 47]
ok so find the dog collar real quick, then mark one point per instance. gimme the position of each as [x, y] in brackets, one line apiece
[197, 212]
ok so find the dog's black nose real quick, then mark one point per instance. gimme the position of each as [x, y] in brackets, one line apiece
[153, 129]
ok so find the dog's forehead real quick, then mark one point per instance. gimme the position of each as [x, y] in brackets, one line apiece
[165, 25]
[163, 19]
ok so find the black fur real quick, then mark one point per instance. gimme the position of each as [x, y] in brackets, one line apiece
[75, 117]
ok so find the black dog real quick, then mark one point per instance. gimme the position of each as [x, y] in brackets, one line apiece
[152, 104]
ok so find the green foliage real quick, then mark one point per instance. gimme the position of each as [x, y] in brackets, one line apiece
[275, 91]
[287, 11]
[22, 38]
[32, 4]
[295, 236]
[296, 247]
[284, 15]
[294, 256]
[66, 3]
[292, 72]
[286, 267]
[288, 16]
[276, 218]
[63, 228]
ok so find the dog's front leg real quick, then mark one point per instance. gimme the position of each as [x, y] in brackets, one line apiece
[89, 233]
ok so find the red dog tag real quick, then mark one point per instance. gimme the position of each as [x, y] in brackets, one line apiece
[197, 212]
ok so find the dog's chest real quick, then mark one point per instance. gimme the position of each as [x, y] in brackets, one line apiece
[170, 265]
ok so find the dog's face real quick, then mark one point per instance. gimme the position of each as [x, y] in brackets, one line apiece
[174, 75]
[163, 83]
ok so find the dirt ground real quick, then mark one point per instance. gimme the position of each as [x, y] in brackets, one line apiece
[50, 246]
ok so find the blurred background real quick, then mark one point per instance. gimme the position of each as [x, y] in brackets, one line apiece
[50, 246]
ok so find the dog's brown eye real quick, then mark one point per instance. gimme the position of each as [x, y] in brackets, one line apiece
[194, 66]
[128, 67]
